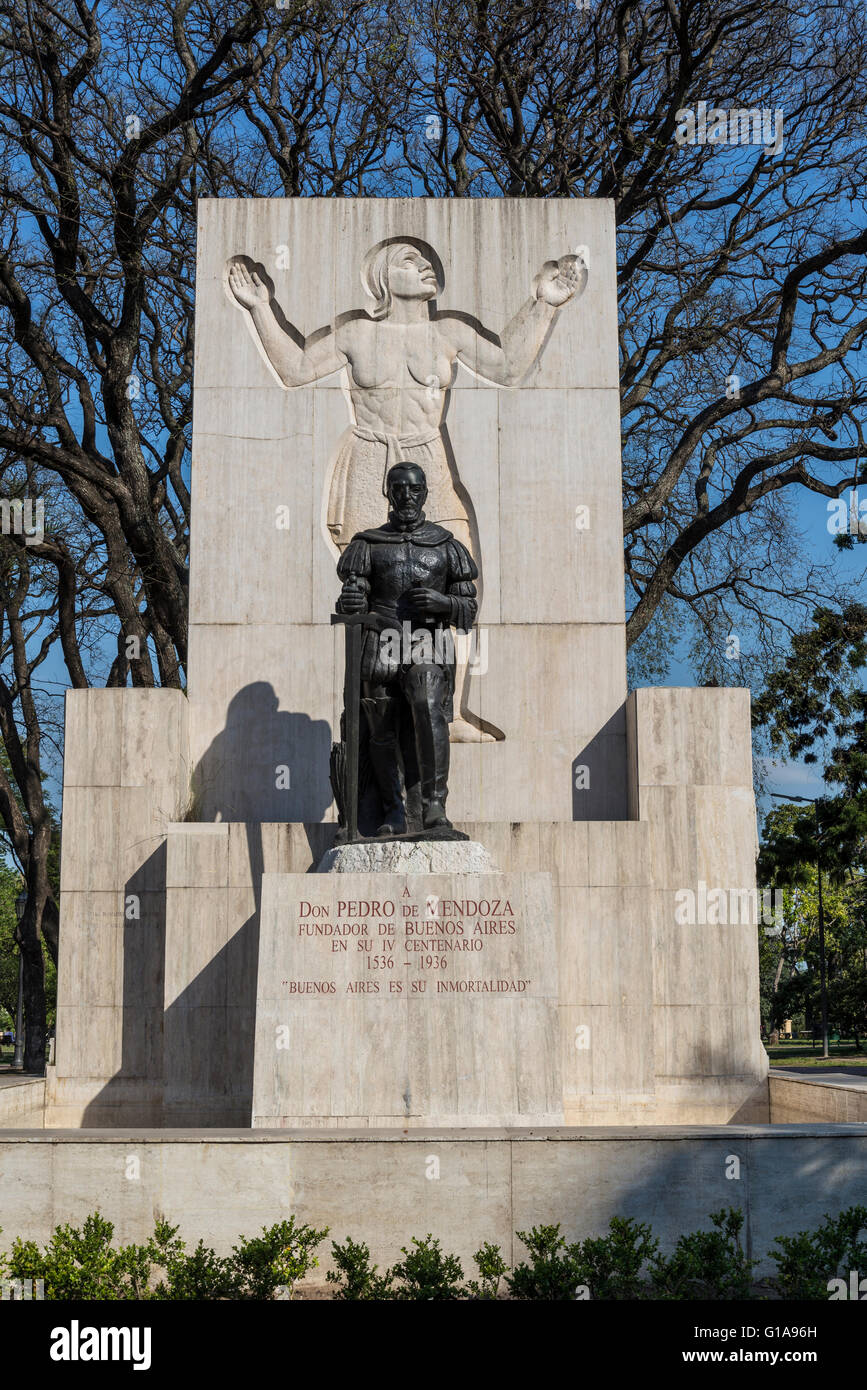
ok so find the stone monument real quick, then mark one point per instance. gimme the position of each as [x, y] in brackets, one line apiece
[225, 961]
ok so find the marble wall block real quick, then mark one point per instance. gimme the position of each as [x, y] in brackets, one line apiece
[126, 776]
[534, 461]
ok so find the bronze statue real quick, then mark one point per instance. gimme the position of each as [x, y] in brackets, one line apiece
[405, 586]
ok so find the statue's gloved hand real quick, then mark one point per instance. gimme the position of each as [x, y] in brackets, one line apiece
[428, 602]
[353, 597]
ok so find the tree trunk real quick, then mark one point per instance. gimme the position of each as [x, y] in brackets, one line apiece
[30, 931]
[34, 990]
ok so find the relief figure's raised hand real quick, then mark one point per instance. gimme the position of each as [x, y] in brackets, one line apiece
[247, 287]
[560, 281]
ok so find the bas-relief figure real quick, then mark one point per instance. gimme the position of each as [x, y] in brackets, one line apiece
[401, 359]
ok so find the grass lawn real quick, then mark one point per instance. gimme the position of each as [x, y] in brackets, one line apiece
[800, 1054]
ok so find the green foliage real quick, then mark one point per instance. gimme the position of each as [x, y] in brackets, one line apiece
[10, 887]
[706, 1264]
[491, 1266]
[607, 1267]
[554, 1269]
[625, 1264]
[425, 1272]
[356, 1278]
[277, 1258]
[816, 703]
[815, 692]
[201, 1275]
[81, 1263]
[611, 1266]
[622, 1265]
[808, 1260]
[815, 706]
[790, 974]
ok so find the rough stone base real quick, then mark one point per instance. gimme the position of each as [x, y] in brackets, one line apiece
[409, 857]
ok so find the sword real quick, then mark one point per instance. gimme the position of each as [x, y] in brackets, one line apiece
[355, 625]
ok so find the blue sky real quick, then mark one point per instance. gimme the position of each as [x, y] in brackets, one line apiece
[784, 775]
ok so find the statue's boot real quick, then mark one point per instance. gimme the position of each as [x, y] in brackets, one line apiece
[382, 749]
[435, 817]
[383, 757]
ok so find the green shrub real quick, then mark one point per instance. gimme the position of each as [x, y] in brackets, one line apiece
[355, 1277]
[425, 1272]
[202, 1275]
[277, 1258]
[601, 1267]
[554, 1268]
[491, 1267]
[807, 1261]
[80, 1263]
[624, 1264]
[706, 1264]
[611, 1266]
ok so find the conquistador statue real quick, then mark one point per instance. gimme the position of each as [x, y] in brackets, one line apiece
[418, 581]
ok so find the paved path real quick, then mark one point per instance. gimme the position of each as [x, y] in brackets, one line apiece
[840, 1076]
[16, 1078]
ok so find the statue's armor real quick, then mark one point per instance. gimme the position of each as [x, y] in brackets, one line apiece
[388, 562]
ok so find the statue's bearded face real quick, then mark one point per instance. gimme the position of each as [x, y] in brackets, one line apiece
[407, 491]
[411, 275]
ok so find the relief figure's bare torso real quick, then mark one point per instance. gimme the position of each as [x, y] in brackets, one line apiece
[398, 373]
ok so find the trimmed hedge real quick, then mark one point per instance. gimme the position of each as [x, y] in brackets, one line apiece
[625, 1264]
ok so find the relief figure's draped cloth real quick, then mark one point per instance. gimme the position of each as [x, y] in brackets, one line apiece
[364, 457]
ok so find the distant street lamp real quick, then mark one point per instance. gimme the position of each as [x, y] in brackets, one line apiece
[18, 1055]
[814, 802]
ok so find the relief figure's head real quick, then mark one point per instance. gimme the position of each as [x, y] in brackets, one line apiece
[406, 487]
[398, 270]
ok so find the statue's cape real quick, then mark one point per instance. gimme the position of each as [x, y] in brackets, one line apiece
[426, 534]
[462, 569]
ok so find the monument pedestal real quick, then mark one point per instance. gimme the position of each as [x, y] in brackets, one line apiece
[398, 1000]
[665, 1010]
